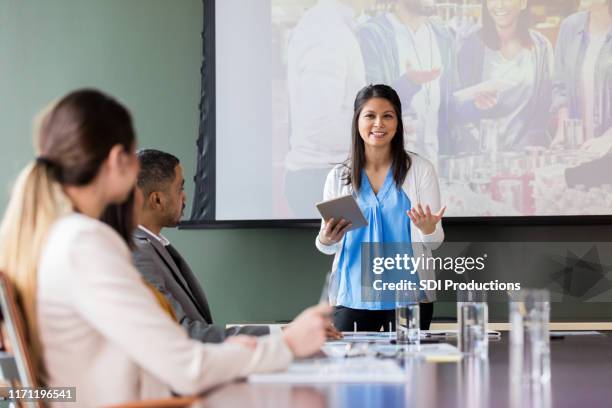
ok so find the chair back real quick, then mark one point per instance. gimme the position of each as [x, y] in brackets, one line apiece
[16, 366]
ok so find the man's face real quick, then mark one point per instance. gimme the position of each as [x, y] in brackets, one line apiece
[174, 199]
[423, 7]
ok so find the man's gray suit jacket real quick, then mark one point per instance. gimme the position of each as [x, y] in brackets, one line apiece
[175, 280]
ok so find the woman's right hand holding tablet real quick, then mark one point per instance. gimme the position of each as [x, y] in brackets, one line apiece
[334, 231]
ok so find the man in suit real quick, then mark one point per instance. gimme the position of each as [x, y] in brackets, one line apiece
[161, 181]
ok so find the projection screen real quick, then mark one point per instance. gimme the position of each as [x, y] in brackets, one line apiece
[514, 112]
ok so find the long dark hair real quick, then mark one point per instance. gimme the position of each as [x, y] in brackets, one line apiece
[121, 218]
[357, 159]
[489, 35]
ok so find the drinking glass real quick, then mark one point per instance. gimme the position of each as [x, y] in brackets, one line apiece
[529, 334]
[407, 317]
[472, 316]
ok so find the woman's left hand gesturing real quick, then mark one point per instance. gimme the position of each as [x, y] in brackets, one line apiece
[424, 219]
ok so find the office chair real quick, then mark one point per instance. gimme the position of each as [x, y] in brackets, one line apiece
[16, 366]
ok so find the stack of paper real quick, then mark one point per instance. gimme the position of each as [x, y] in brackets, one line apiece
[346, 370]
[370, 368]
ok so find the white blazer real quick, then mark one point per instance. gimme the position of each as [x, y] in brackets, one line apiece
[421, 186]
[103, 331]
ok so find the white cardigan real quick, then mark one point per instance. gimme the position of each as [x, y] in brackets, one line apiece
[103, 331]
[421, 186]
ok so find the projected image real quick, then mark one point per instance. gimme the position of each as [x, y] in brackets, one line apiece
[510, 99]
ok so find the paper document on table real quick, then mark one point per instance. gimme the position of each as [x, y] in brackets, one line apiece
[345, 370]
[427, 352]
[576, 333]
[384, 337]
[369, 336]
[421, 350]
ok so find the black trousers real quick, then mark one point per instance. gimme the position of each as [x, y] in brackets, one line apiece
[373, 320]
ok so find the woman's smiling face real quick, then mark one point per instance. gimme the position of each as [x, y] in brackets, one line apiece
[505, 13]
[377, 122]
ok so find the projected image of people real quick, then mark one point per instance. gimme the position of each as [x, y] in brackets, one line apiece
[583, 99]
[505, 80]
[510, 100]
[324, 72]
[404, 48]
[501, 108]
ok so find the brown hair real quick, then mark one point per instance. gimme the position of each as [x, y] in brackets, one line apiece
[121, 218]
[357, 160]
[73, 138]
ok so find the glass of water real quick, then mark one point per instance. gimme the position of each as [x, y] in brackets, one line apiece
[407, 317]
[529, 334]
[329, 290]
[472, 316]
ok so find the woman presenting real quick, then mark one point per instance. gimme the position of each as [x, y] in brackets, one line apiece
[399, 196]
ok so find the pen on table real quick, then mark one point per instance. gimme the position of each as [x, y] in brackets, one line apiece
[422, 341]
[439, 334]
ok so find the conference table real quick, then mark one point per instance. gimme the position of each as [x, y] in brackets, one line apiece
[581, 376]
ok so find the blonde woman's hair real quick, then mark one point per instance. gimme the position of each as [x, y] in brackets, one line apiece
[73, 138]
[37, 201]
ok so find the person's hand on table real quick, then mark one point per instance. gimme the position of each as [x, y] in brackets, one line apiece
[332, 333]
[249, 342]
[306, 334]
[424, 219]
[334, 231]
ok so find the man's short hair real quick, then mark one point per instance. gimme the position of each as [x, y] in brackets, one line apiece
[156, 170]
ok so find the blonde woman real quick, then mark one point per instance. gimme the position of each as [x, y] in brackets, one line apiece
[92, 322]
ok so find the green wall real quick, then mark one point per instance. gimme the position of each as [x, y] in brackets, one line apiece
[147, 53]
